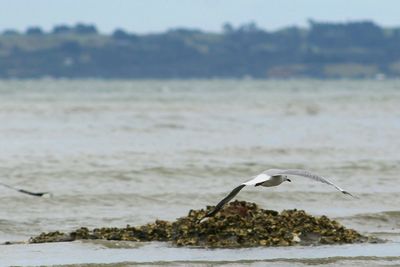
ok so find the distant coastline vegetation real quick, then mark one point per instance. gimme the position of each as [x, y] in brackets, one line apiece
[360, 49]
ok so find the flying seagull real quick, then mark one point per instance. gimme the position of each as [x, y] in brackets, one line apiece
[269, 178]
[36, 194]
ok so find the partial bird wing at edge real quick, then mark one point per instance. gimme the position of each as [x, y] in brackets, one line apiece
[315, 177]
[36, 194]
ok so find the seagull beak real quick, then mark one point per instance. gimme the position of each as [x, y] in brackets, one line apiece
[289, 180]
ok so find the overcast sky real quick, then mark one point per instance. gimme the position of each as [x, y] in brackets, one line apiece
[159, 15]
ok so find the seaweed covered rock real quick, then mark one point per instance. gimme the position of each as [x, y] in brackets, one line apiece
[239, 224]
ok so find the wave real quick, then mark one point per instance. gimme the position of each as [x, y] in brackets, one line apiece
[384, 225]
[379, 217]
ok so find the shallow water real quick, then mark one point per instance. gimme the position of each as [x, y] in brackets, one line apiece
[129, 152]
[161, 254]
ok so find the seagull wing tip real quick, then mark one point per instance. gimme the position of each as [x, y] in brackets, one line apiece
[47, 195]
[347, 193]
[202, 219]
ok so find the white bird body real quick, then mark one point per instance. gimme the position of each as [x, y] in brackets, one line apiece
[270, 178]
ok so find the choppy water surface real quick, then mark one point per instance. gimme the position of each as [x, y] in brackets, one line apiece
[129, 152]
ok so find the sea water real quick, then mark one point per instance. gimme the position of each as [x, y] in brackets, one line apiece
[114, 153]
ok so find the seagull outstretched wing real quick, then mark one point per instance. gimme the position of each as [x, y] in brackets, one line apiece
[255, 180]
[219, 206]
[268, 174]
[310, 175]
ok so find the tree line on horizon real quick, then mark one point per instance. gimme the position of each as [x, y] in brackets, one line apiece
[359, 49]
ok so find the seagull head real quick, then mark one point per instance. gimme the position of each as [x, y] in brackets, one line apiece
[285, 178]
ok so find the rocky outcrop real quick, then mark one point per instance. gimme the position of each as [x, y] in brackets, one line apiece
[239, 224]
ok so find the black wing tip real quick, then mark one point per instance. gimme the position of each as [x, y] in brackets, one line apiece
[212, 212]
[347, 193]
[201, 219]
[36, 194]
[205, 217]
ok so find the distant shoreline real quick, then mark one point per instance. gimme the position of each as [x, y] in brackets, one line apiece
[353, 50]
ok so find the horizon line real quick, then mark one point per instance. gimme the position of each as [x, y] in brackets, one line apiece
[47, 30]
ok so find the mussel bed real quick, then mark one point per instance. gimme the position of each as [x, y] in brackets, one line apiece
[239, 224]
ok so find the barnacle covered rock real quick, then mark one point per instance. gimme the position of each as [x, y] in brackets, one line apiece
[239, 224]
[51, 237]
